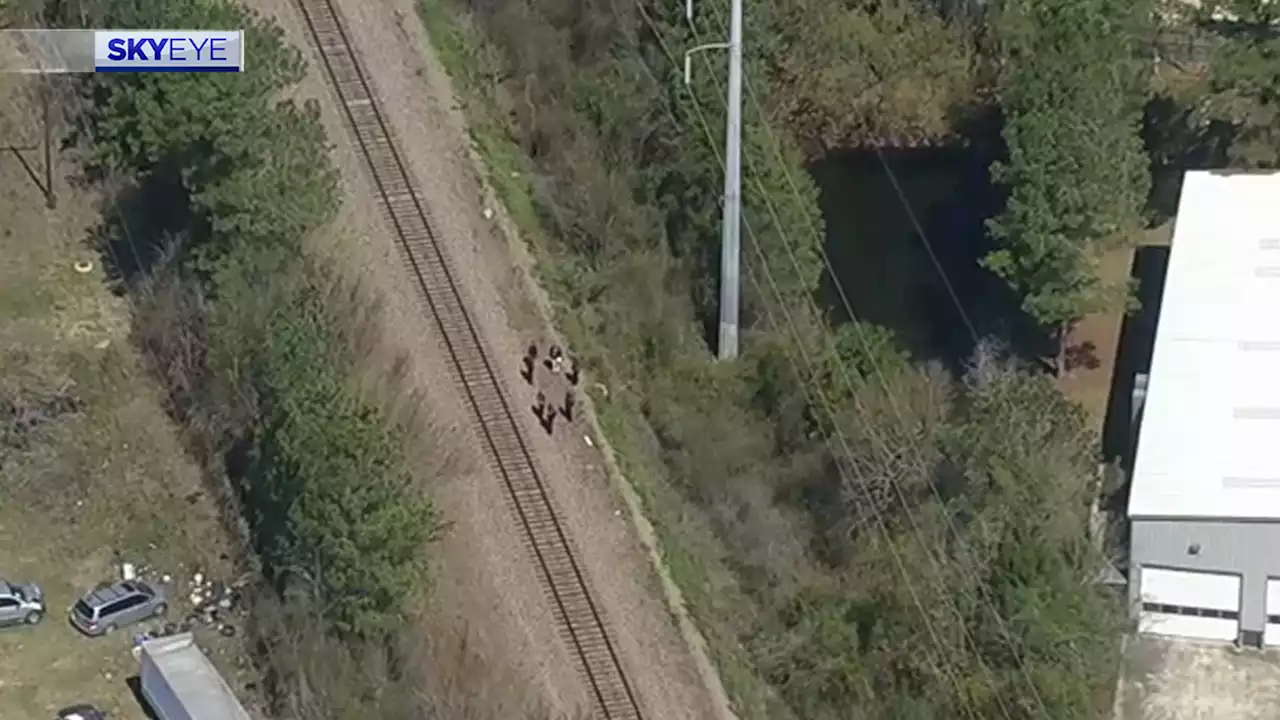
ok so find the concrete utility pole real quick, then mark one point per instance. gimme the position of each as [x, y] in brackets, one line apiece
[731, 230]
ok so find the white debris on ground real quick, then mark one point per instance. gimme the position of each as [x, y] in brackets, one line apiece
[210, 603]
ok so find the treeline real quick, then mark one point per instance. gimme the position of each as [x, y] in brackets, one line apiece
[249, 177]
[217, 182]
[858, 536]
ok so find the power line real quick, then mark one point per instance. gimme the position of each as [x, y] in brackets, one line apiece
[940, 269]
[882, 526]
[878, 371]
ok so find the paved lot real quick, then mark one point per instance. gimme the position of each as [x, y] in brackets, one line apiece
[1166, 679]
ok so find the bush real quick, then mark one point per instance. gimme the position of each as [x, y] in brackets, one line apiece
[328, 489]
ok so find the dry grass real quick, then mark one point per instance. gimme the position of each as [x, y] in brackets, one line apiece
[81, 489]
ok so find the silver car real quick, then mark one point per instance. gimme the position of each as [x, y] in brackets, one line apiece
[115, 606]
[20, 604]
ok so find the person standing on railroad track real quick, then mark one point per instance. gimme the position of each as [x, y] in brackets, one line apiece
[567, 408]
[573, 372]
[529, 362]
[548, 419]
[555, 359]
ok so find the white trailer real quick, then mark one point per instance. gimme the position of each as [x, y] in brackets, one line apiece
[180, 683]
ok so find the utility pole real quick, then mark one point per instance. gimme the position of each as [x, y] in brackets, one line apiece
[731, 229]
[46, 93]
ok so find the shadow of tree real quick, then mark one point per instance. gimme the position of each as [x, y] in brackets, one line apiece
[1082, 355]
[1137, 341]
[1175, 143]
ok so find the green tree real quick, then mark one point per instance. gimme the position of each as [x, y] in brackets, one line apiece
[331, 491]
[1072, 91]
[1027, 457]
[253, 169]
[1243, 87]
[847, 74]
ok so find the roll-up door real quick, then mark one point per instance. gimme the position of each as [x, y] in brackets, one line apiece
[1190, 604]
[1271, 635]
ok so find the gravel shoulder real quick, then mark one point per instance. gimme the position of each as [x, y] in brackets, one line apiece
[486, 580]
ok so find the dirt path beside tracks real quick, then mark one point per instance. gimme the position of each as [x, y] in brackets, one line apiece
[486, 579]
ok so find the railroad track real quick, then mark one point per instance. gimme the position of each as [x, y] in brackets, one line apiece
[507, 454]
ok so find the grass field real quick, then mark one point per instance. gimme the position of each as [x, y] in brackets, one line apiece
[92, 470]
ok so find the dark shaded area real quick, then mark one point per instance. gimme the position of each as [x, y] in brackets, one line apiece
[142, 225]
[135, 686]
[1175, 144]
[1133, 356]
[874, 240]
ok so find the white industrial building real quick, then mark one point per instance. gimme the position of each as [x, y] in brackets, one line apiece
[1204, 504]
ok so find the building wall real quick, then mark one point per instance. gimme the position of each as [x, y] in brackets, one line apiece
[1243, 548]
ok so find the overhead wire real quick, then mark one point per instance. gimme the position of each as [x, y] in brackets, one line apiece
[943, 671]
[755, 281]
[883, 527]
[954, 296]
[878, 371]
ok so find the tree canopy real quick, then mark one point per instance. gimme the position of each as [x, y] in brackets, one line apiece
[1072, 89]
[1243, 85]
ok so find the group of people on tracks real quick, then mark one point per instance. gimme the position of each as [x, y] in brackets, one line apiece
[558, 365]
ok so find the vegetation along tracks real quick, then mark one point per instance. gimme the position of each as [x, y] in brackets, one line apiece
[579, 619]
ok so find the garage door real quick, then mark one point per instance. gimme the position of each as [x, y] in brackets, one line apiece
[1190, 604]
[1272, 634]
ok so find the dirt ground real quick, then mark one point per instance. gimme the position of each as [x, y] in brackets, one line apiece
[1098, 336]
[1097, 339]
[485, 579]
[95, 472]
[1169, 679]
